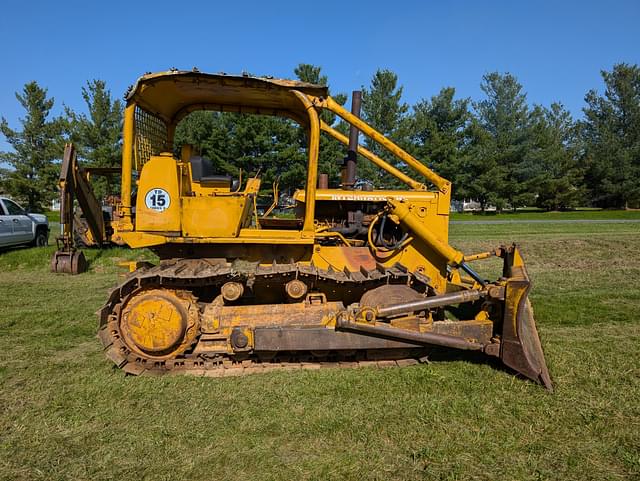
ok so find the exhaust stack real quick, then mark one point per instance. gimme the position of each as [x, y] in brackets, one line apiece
[349, 165]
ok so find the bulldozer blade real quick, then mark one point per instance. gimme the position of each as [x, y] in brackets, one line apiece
[520, 347]
[68, 262]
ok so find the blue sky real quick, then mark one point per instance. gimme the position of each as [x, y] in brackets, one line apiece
[555, 48]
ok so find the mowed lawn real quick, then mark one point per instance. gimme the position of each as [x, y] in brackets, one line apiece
[66, 413]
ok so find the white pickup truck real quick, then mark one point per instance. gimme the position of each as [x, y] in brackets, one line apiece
[19, 227]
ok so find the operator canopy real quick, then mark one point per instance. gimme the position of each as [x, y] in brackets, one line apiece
[174, 94]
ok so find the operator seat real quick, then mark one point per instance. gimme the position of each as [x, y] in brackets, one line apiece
[202, 172]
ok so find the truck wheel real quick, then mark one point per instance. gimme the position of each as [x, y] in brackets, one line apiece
[42, 238]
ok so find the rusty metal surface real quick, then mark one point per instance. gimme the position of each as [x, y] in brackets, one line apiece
[68, 262]
[74, 184]
[520, 348]
[198, 273]
[268, 345]
[217, 317]
[316, 339]
[479, 330]
[159, 323]
[167, 93]
[323, 181]
[386, 331]
[232, 291]
[389, 294]
[296, 289]
[431, 302]
[350, 161]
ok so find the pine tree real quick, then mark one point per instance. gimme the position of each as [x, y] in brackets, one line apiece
[332, 152]
[480, 176]
[504, 116]
[196, 129]
[248, 143]
[4, 179]
[383, 109]
[551, 160]
[438, 133]
[310, 73]
[277, 147]
[33, 178]
[611, 133]
[98, 135]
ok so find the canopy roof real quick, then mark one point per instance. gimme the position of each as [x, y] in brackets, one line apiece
[172, 95]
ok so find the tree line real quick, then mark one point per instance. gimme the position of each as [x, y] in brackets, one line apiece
[498, 150]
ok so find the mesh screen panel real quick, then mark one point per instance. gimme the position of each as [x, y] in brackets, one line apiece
[150, 137]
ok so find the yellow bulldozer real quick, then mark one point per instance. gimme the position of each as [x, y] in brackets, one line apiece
[356, 277]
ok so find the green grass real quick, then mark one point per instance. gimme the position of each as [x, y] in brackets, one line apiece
[529, 231]
[67, 414]
[53, 216]
[532, 214]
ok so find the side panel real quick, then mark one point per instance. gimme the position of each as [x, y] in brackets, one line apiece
[158, 203]
[309, 339]
[430, 208]
[213, 216]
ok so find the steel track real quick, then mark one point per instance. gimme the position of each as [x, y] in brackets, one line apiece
[191, 274]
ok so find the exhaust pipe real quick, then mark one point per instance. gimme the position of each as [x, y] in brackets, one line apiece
[349, 166]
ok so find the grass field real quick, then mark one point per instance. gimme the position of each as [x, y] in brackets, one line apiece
[533, 214]
[66, 414]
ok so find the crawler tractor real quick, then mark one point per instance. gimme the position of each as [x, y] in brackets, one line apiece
[356, 277]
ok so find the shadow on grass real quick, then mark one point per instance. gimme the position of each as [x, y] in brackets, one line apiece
[93, 255]
[17, 248]
[441, 354]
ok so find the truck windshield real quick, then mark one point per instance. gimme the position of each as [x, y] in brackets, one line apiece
[13, 208]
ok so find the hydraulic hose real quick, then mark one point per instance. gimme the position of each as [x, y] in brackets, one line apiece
[385, 247]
